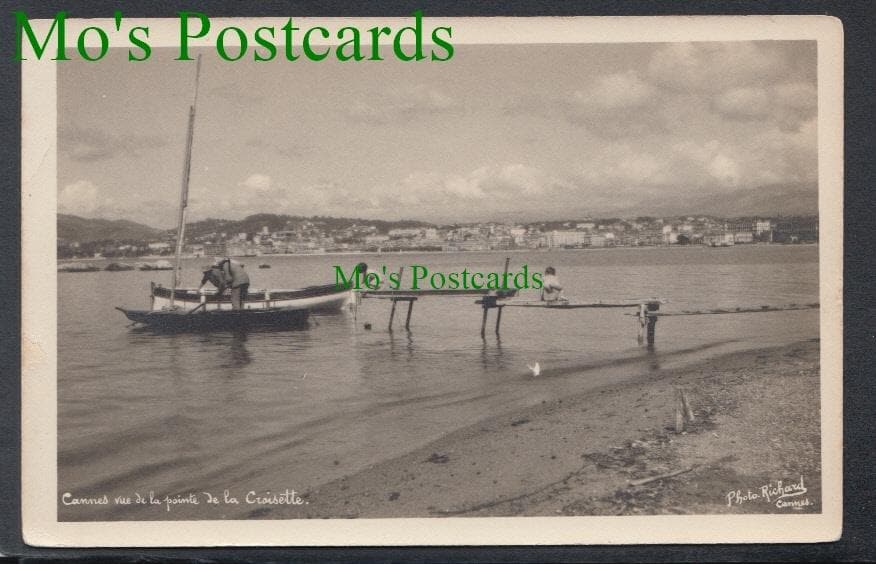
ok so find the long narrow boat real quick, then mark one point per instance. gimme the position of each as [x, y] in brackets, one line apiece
[195, 311]
[324, 298]
[177, 320]
[185, 309]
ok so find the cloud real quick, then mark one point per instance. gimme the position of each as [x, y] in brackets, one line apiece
[619, 91]
[285, 149]
[260, 193]
[487, 183]
[482, 192]
[239, 93]
[786, 105]
[745, 103]
[79, 198]
[86, 199]
[92, 144]
[611, 106]
[259, 182]
[712, 67]
[616, 105]
[401, 104]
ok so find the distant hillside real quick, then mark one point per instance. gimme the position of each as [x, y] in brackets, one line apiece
[765, 201]
[274, 222]
[85, 230]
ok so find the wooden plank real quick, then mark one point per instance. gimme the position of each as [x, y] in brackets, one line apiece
[568, 305]
[644, 481]
[723, 311]
[426, 292]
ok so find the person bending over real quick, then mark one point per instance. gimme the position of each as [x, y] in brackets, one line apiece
[228, 273]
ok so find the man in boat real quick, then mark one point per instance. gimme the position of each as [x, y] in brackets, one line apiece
[551, 290]
[228, 273]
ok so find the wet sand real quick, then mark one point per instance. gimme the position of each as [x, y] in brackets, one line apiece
[756, 422]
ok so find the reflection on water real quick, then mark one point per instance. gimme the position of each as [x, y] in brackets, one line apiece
[265, 408]
[239, 355]
[491, 354]
[401, 344]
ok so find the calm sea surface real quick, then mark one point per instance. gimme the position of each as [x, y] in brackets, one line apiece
[271, 410]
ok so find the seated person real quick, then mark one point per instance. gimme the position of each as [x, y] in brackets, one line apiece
[551, 290]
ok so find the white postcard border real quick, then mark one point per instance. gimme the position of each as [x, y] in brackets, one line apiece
[39, 317]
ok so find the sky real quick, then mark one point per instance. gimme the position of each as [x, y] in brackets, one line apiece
[499, 132]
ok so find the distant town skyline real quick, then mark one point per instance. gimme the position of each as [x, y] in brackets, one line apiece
[267, 234]
[603, 129]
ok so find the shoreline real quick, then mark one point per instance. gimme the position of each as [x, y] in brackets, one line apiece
[490, 251]
[756, 423]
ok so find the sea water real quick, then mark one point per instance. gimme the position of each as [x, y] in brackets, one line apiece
[263, 410]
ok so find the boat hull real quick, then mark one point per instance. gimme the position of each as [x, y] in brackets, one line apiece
[325, 298]
[219, 320]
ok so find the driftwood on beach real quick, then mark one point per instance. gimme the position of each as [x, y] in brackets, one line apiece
[643, 481]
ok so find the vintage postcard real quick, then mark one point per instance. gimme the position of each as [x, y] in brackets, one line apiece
[431, 281]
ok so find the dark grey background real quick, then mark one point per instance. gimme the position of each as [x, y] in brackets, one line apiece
[859, 528]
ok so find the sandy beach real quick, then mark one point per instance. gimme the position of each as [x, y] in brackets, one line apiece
[756, 423]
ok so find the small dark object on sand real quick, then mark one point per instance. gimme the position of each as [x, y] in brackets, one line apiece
[394, 496]
[519, 422]
[438, 458]
[368, 327]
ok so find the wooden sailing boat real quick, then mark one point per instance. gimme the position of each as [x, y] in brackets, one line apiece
[177, 308]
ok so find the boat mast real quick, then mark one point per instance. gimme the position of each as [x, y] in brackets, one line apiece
[184, 191]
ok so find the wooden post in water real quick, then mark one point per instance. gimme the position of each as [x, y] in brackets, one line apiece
[487, 302]
[484, 319]
[408, 318]
[679, 418]
[688, 410]
[653, 307]
[499, 308]
[401, 269]
[392, 314]
[641, 337]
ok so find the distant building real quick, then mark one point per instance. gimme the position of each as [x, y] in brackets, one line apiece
[559, 239]
[763, 226]
[404, 232]
[796, 230]
[720, 240]
[214, 249]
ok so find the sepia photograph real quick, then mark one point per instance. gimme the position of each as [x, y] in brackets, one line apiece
[441, 280]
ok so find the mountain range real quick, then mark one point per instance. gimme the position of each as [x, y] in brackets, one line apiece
[745, 202]
[83, 230]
